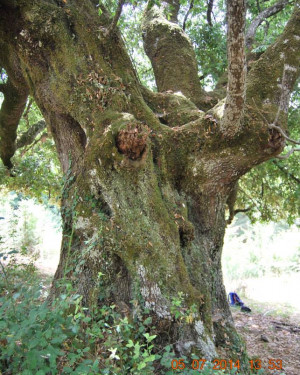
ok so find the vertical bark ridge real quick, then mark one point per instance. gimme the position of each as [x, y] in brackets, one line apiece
[235, 98]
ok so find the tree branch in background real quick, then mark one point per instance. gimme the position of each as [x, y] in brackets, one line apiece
[26, 112]
[42, 139]
[266, 13]
[235, 98]
[286, 172]
[117, 15]
[210, 5]
[187, 14]
[29, 136]
[11, 111]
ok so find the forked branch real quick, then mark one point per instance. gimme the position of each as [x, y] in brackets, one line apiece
[263, 15]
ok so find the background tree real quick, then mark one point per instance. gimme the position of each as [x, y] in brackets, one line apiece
[147, 174]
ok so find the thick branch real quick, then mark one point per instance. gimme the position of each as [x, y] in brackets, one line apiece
[172, 56]
[28, 137]
[266, 13]
[235, 100]
[272, 78]
[11, 111]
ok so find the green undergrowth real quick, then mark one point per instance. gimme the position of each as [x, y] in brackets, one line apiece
[63, 337]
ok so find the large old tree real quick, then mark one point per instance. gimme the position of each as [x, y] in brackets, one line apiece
[147, 174]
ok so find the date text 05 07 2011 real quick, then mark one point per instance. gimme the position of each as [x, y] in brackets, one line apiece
[222, 364]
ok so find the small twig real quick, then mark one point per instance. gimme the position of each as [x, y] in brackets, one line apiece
[29, 136]
[285, 156]
[187, 14]
[237, 211]
[25, 114]
[278, 128]
[286, 172]
[30, 102]
[254, 203]
[266, 27]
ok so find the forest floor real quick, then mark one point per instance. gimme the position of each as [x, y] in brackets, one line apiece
[271, 332]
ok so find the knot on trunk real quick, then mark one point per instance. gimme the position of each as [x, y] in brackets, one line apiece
[132, 140]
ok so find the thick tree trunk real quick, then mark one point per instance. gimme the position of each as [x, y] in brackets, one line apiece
[143, 202]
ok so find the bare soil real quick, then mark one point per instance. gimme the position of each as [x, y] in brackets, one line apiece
[271, 337]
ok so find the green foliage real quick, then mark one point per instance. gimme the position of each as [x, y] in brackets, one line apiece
[210, 45]
[255, 251]
[180, 312]
[269, 30]
[63, 337]
[25, 224]
[130, 25]
[36, 166]
[272, 189]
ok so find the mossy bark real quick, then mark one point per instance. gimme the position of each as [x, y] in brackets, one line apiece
[147, 175]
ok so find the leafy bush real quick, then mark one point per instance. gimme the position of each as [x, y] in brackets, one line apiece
[63, 337]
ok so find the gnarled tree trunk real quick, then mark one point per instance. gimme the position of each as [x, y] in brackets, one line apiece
[147, 175]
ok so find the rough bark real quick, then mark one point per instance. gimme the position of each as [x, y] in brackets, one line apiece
[235, 99]
[147, 174]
